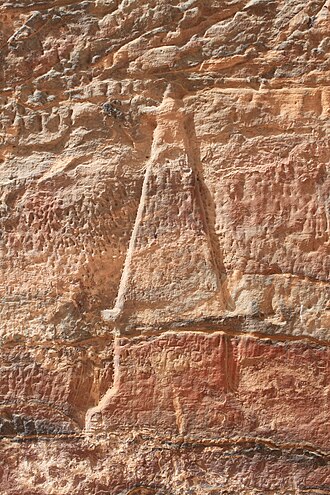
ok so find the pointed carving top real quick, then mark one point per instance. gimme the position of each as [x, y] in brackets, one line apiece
[172, 91]
[172, 99]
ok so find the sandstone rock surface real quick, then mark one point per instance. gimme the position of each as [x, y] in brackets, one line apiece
[164, 247]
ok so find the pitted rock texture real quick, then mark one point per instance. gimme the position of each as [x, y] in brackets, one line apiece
[164, 245]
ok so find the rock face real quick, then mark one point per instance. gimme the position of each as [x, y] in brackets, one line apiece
[164, 247]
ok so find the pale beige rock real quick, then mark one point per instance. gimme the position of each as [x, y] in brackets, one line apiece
[164, 216]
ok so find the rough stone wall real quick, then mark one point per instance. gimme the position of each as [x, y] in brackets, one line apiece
[164, 247]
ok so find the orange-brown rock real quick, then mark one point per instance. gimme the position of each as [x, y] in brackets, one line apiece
[164, 266]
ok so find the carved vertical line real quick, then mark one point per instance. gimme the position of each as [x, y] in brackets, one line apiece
[127, 265]
[206, 205]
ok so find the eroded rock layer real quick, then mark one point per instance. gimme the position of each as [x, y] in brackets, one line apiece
[164, 247]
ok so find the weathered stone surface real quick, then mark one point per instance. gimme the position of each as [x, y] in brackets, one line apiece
[164, 247]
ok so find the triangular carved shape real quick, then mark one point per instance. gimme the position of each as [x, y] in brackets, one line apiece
[170, 268]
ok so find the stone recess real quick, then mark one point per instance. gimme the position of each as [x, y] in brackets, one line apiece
[164, 247]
